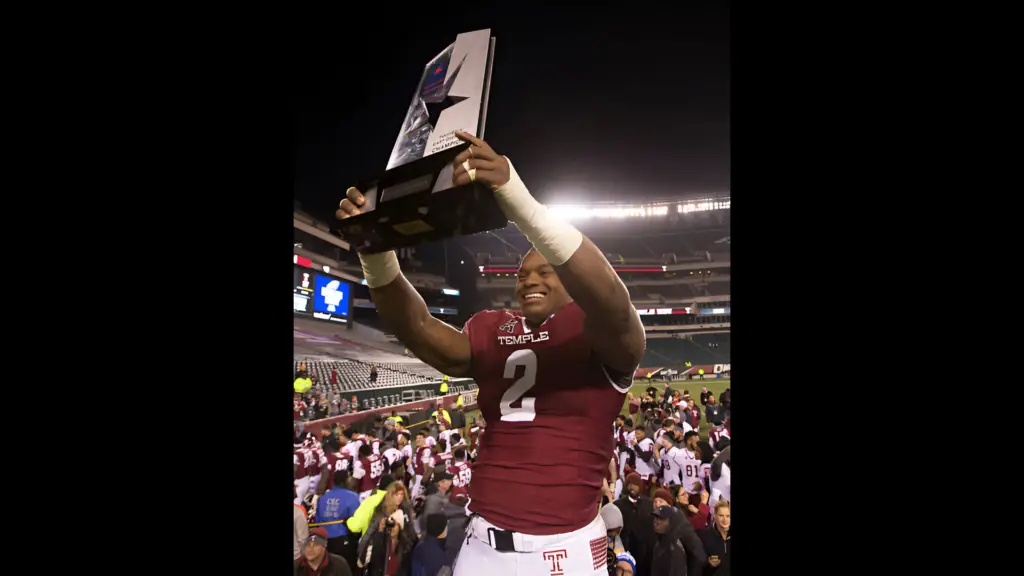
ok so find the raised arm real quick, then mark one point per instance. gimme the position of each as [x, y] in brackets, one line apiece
[403, 309]
[612, 323]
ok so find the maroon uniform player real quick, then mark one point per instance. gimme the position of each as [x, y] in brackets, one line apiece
[301, 459]
[336, 461]
[443, 461]
[367, 469]
[551, 377]
[461, 469]
[421, 459]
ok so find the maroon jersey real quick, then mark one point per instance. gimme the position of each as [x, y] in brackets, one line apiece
[373, 466]
[716, 434]
[302, 459]
[316, 460]
[461, 474]
[474, 437]
[634, 407]
[547, 401]
[335, 461]
[297, 409]
[422, 454]
[443, 461]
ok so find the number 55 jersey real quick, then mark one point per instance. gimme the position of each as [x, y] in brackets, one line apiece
[548, 401]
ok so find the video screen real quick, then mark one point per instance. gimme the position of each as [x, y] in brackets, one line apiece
[305, 283]
[330, 299]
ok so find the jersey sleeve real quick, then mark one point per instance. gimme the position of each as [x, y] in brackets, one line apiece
[357, 469]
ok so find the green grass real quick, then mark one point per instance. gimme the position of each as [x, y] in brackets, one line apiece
[715, 386]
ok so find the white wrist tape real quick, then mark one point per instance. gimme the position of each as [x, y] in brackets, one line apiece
[380, 269]
[554, 238]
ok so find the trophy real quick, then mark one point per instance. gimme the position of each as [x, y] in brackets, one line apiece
[414, 201]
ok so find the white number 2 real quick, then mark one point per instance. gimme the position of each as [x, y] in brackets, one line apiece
[526, 412]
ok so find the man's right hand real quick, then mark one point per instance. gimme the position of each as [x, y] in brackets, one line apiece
[714, 561]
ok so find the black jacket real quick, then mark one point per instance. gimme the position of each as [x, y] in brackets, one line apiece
[704, 397]
[715, 546]
[458, 419]
[638, 530]
[714, 411]
[669, 556]
[380, 553]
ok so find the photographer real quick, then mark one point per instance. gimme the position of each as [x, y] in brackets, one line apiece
[386, 547]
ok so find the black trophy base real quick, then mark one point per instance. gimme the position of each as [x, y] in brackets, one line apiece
[403, 210]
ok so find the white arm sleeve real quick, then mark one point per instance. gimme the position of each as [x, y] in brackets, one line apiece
[357, 469]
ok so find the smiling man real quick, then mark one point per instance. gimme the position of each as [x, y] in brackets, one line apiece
[551, 375]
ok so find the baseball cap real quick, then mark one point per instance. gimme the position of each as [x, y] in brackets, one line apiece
[316, 536]
[664, 512]
[458, 496]
[443, 476]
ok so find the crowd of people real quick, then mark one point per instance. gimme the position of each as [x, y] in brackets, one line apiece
[389, 501]
[317, 400]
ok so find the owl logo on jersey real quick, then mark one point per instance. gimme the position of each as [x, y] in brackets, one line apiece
[509, 326]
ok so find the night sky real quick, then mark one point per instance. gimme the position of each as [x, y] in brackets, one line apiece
[588, 103]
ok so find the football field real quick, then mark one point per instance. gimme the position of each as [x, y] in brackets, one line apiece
[715, 386]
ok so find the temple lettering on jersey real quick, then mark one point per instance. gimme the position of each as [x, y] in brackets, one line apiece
[523, 338]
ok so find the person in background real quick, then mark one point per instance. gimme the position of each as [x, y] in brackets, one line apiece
[302, 383]
[301, 529]
[634, 409]
[717, 434]
[373, 374]
[669, 556]
[429, 555]
[458, 418]
[636, 508]
[457, 521]
[444, 385]
[334, 401]
[714, 410]
[694, 415]
[625, 565]
[355, 403]
[704, 396]
[612, 517]
[339, 503]
[387, 549]
[682, 530]
[716, 540]
[694, 507]
[322, 409]
[316, 560]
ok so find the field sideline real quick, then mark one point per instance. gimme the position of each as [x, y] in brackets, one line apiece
[715, 386]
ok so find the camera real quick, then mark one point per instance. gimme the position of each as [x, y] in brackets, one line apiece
[389, 523]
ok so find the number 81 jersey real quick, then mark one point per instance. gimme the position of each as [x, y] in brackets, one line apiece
[547, 400]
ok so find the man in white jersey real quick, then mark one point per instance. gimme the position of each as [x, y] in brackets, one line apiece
[671, 459]
[721, 477]
[690, 462]
[646, 466]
